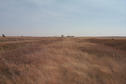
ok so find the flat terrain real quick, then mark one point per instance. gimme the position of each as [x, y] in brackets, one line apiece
[53, 60]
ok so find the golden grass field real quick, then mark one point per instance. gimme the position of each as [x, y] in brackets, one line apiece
[55, 60]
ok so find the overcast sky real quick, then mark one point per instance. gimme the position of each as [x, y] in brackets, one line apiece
[68, 17]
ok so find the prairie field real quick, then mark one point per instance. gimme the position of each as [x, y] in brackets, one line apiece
[66, 60]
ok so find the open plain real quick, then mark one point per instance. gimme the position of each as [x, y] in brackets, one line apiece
[66, 60]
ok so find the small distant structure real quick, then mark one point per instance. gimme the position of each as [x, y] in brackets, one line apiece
[62, 36]
[3, 36]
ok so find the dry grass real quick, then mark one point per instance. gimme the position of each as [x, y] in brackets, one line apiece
[62, 61]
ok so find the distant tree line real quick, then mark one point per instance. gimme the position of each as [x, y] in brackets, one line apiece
[67, 36]
[3, 35]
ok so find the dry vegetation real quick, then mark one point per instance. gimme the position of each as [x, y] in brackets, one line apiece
[26, 60]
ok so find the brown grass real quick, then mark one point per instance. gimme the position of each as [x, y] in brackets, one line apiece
[62, 61]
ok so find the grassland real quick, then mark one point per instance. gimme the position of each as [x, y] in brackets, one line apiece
[36, 60]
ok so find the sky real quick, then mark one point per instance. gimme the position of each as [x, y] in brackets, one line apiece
[67, 17]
